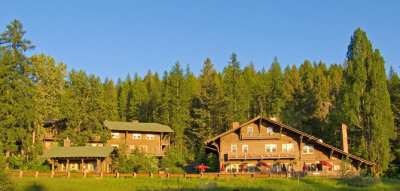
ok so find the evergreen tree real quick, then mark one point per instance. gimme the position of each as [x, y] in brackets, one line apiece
[16, 90]
[274, 102]
[365, 102]
[110, 100]
[394, 91]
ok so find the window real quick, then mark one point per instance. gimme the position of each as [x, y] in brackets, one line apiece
[155, 149]
[250, 130]
[309, 167]
[143, 148]
[94, 144]
[287, 147]
[233, 148]
[114, 146]
[269, 130]
[270, 148]
[131, 147]
[136, 136]
[245, 148]
[150, 136]
[115, 135]
[308, 149]
[336, 167]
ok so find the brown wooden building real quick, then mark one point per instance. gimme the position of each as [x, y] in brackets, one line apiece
[81, 158]
[152, 138]
[278, 147]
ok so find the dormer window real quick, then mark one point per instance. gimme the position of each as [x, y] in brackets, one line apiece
[269, 130]
[250, 130]
[308, 149]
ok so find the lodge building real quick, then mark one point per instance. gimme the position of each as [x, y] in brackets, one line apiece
[96, 156]
[263, 145]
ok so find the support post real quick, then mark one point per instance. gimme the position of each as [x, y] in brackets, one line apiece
[98, 165]
[134, 175]
[52, 174]
[84, 175]
[67, 167]
[21, 173]
[52, 164]
[101, 175]
[117, 175]
[68, 174]
[82, 165]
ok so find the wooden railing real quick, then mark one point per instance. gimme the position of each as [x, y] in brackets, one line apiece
[260, 156]
[53, 174]
[260, 137]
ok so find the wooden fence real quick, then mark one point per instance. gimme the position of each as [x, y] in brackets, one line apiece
[53, 174]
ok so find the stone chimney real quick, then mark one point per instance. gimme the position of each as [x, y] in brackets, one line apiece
[135, 121]
[235, 125]
[67, 142]
[345, 141]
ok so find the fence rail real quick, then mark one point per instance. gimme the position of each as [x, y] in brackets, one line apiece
[37, 174]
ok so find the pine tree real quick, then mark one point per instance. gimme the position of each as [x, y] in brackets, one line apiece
[274, 100]
[394, 91]
[16, 90]
[365, 102]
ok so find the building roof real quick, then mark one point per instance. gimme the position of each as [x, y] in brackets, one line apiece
[83, 151]
[310, 138]
[136, 126]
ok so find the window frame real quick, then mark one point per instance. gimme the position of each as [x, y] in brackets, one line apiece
[247, 148]
[307, 150]
[232, 148]
[131, 147]
[287, 148]
[250, 132]
[115, 135]
[270, 146]
[151, 136]
[136, 136]
[270, 130]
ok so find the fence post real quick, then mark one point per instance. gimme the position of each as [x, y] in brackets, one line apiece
[184, 175]
[84, 175]
[134, 175]
[101, 175]
[151, 175]
[167, 175]
[202, 175]
[68, 174]
[218, 175]
[52, 173]
[20, 173]
[235, 175]
[36, 174]
[269, 174]
[117, 175]
[252, 175]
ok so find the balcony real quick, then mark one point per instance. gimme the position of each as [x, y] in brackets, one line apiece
[260, 137]
[258, 156]
[49, 136]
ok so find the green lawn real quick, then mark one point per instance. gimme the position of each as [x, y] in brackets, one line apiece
[146, 183]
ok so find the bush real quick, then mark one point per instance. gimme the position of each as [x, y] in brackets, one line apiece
[137, 162]
[174, 170]
[40, 165]
[173, 158]
[5, 181]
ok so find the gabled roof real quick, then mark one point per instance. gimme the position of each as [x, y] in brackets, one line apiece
[136, 126]
[84, 151]
[310, 137]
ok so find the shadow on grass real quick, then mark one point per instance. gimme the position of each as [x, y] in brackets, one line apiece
[35, 187]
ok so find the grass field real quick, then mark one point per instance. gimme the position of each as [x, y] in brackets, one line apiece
[146, 183]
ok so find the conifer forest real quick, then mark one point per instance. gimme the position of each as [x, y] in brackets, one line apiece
[314, 97]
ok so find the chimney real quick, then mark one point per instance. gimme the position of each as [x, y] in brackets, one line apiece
[135, 121]
[345, 141]
[235, 125]
[67, 142]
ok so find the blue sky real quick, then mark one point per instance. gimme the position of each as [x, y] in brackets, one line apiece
[114, 38]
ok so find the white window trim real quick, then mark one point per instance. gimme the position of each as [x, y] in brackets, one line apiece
[247, 146]
[308, 149]
[114, 135]
[287, 148]
[141, 147]
[250, 132]
[131, 147]
[136, 136]
[232, 148]
[151, 136]
[270, 148]
[115, 146]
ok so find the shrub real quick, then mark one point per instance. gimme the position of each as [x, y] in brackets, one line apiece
[137, 162]
[5, 181]
[174, 170]
[360, 181]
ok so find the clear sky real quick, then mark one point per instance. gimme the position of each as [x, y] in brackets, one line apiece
[114, 38]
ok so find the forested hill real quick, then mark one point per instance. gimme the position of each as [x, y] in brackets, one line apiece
[312, 97]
